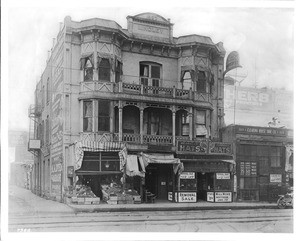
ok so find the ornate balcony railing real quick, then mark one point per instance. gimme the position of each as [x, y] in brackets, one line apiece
[136, 89]
[157, 139]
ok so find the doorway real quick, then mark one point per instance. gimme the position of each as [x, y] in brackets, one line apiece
[205, 183]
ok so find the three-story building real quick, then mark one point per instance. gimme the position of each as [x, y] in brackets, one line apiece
[135, 106]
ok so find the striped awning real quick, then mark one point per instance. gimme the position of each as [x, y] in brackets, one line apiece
[94, 146]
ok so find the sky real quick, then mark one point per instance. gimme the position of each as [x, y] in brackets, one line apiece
[263, 36]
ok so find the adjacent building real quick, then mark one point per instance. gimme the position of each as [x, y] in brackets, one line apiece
[134, 107]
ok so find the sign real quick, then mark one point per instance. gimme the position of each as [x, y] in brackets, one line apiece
[261, 130]
[232, 61]
[70, 171]
[210, 197]
[248, 168]
[187, 197]
[223, 175]
[222, 197]
[34, 144]
[183, 197]
[187, 175]
[220, 148]
[275, 178]
[195, 147]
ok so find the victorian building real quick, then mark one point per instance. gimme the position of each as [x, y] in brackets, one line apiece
[135, 107]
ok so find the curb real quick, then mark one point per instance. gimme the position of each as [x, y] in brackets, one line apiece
[159, 208]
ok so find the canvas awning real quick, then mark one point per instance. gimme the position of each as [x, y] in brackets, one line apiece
[132, 166]
[162, 159]
[95, 146]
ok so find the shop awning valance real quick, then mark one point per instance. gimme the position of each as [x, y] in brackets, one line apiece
[163, 159]
[94, 146]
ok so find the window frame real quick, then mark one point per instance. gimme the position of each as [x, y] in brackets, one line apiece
[148, 79]
[89, 117]
[104, 69]
[106, 117]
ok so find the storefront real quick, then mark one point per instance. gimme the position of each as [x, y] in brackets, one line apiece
[208, 172]
[263, 167]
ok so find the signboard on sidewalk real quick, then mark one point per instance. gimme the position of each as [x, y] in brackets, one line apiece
[222, 197]
[210, 197]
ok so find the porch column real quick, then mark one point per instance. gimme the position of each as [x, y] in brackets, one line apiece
[173, 126]
[141, 124]
[191, 123]
[120, 121]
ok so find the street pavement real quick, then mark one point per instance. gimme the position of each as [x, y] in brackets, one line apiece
[36, 204]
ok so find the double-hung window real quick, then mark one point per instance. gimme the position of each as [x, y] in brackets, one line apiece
[201, 130]
[201, 82]
[150, 74]
[103, 115]
[104, 69]
[87, 116]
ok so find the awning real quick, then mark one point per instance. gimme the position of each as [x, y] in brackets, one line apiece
[163, 159]
[95, 146]
[132, 166]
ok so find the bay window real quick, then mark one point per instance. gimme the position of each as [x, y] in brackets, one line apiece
[104, 69]
[201, 82]
[200, 124]
[103, 115]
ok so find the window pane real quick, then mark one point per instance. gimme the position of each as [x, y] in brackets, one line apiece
[155, 72]
[110, 165]
[200, 117]
[144, 70]
[103, 107]
[87, 124]
[155, 82]
[87, 109]
[103, 124]
[104, 70]
[201, 130]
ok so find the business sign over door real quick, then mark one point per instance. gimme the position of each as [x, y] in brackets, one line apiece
[204, 147]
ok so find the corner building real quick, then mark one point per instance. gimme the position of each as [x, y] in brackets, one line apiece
[134, 107]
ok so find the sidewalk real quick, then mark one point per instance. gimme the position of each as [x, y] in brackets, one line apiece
[24, 201]
[37, 204]
[169, 206]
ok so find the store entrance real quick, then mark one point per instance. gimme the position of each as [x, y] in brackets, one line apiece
[205, 183]
[158, 180]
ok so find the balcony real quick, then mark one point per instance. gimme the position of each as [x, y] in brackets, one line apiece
[134, 91]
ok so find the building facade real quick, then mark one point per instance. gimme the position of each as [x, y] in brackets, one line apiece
[134, 107]
[264, 161]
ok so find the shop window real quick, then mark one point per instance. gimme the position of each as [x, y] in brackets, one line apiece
[248, 183]
[201, 82]
[100, 161]
[200, 124]
[87, 116]
[222, 184]
[275, 156]
[104, 70]
[103, 115]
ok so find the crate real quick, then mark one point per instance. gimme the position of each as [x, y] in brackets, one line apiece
[137, 198]
[80, 200]
[74, 199]
[122, 202]
[113, 198]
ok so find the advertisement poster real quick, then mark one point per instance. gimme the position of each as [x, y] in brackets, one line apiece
[222, 197]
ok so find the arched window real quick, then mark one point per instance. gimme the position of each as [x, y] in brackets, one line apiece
[104, 70]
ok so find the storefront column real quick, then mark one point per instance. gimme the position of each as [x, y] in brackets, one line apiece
[141, 124]
[173, 127]
[191, 123]
[120, 121]
[173, 186]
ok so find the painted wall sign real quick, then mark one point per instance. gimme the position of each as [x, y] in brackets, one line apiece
[187, 175]
[223, 197]
[195, 147]
[220, 148]
[276, 178]
[210, 197]
[261, 130]
[223, 175]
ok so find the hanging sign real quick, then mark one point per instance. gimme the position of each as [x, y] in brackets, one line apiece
[187, 175]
